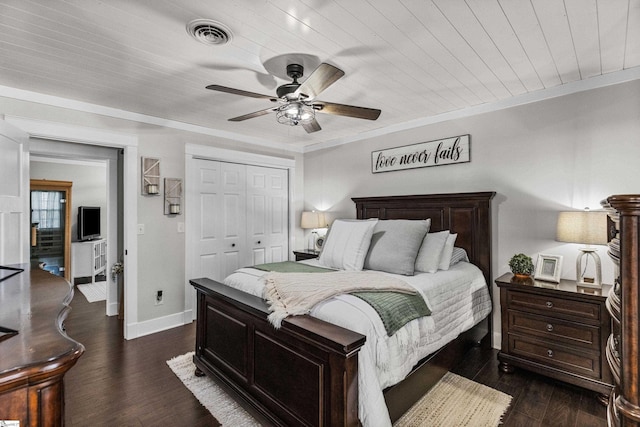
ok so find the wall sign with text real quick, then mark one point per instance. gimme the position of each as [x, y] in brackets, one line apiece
[433, 153]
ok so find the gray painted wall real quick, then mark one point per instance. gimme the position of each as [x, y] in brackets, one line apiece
[560, 154]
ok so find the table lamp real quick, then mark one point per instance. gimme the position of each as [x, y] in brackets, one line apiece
[588, 228]
[312, 220]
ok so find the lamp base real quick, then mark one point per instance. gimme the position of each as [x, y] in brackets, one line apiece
[311, 243]
[587, 282]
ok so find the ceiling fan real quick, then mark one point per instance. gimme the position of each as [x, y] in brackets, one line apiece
[296, 101]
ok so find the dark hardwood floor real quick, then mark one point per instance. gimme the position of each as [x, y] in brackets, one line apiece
[537, 400]
[128, 383]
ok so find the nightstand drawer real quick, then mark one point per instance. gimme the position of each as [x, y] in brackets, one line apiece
[547, 327]
[568, 359]
[552, 306]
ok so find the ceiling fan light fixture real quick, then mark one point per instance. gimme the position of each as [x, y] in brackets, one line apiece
[295, 113]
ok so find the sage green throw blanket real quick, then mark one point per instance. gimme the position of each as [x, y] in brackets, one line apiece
[291, 267]
[394, 308]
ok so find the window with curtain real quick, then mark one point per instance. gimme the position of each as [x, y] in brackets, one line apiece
[46, 209]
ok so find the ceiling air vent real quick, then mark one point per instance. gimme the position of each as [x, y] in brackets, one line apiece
[209, 32]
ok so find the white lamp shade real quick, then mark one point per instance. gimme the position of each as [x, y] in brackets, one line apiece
[312, 220]
[586, 227]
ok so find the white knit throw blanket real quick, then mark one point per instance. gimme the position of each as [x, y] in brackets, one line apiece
[296, 293]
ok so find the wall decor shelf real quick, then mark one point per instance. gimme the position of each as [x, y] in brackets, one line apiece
[150, 176]
[172, 196]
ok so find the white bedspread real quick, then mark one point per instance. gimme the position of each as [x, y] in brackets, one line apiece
[458, 299]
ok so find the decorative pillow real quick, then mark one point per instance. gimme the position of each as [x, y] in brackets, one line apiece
[347, 243]
[447, 252]
[430, 251]
[458, 255]
[395, 244]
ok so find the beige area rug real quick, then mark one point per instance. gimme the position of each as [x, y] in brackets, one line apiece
[454, 401]
[212, 397]
[457, 401]
[94, 291]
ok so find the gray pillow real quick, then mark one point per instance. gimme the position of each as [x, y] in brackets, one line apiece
[458, 255]
[395, 244]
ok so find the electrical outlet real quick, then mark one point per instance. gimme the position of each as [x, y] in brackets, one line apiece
[159, 299]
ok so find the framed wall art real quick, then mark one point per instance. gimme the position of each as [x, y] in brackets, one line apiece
[440, 152]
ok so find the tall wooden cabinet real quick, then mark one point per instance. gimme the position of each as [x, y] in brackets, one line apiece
[623, 303]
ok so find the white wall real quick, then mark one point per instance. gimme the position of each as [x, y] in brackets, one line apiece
[542, 158]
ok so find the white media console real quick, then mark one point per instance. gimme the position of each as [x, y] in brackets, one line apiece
[89, 259]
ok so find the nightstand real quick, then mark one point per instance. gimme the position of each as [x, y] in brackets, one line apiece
[306, 254]
[556, 329]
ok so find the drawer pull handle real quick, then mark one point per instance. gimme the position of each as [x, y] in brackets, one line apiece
[549, 327]
[233, 245]
[549, 304]
[550, 353]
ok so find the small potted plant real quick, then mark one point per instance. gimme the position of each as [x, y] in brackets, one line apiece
[521, 265]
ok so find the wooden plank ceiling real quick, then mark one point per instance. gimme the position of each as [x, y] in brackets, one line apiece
[412, 59]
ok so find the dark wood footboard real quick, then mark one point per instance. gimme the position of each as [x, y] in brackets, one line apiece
[304, 374]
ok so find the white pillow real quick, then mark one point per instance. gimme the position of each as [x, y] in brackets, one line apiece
[430, 252]
[447, 251]
[347, 243]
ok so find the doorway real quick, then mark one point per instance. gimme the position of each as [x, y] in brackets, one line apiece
[93, 173]
[51, 226]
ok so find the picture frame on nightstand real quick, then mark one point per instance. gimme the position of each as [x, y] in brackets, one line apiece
[548, 268]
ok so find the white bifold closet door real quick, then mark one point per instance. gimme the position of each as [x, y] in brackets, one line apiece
[242, 215]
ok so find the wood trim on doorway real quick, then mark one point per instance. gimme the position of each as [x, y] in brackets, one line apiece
[62, 186]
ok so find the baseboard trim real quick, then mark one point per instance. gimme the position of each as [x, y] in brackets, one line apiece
[112, 309]
[159, 324]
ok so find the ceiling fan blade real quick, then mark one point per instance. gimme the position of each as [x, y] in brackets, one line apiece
[347, 110]
[321, 78]
[240, 92]
[312, 126]
[254, 114]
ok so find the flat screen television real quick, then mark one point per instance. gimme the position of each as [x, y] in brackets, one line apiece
[88, 222]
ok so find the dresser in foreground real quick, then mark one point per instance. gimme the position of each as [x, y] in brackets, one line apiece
[34, 303]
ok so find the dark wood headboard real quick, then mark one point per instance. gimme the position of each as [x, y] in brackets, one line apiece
[468, 214]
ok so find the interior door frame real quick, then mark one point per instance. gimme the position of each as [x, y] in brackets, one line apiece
[129, 144]
[65, 187]
[14, 203]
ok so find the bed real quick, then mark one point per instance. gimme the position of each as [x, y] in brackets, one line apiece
[236, 344]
